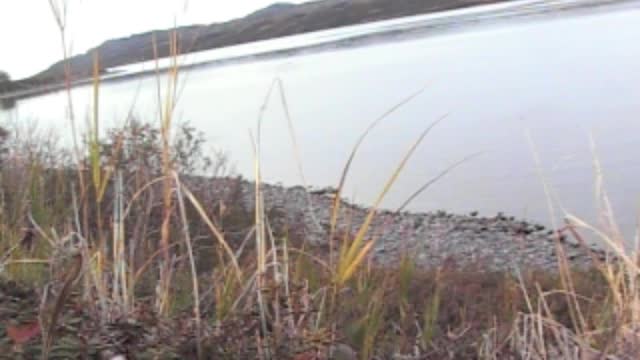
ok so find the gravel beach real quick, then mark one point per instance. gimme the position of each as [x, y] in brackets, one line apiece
[497, 242]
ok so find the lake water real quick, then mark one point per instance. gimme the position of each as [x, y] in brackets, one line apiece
[557, 78]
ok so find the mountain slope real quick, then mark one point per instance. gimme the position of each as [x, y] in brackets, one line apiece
[277, 20]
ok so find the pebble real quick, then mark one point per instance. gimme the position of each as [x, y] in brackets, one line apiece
[499, 242]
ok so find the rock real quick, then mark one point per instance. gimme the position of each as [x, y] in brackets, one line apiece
[342, 352]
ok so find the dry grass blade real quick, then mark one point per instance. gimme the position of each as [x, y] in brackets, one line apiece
[94, 128]
[296, 151]
[148, 262]
[352, 264]
[434, 180]
[214, 230]
[618, 250]
[260, 233]
[356, 252]
[120, 273]
[601, 197]
[575, 311]
[343, 177]
[192, 263]
[166, 121]
[139, 192]
[59, 11]
[70, 277]
[599, 264]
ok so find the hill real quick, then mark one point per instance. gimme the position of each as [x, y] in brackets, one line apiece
[277, 20]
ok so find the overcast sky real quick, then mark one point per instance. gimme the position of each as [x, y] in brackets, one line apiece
[31, 41]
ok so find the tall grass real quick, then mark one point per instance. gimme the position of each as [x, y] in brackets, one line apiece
[300, 303]
[123, 224]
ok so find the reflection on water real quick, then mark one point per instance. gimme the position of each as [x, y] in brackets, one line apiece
[558, 80]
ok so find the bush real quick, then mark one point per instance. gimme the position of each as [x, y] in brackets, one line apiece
[138, 147]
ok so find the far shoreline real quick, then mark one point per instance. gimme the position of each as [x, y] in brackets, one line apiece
[437, 28]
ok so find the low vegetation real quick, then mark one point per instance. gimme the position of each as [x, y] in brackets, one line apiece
[82, 271]
[116, 246]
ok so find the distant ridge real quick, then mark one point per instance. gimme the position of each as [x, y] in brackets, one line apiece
[276, 20]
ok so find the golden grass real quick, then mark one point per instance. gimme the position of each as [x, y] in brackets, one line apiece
[303, 300]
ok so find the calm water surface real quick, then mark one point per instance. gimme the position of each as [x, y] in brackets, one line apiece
[558, 79]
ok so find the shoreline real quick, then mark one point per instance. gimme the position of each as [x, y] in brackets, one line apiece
[33, 86]
[497, 243]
